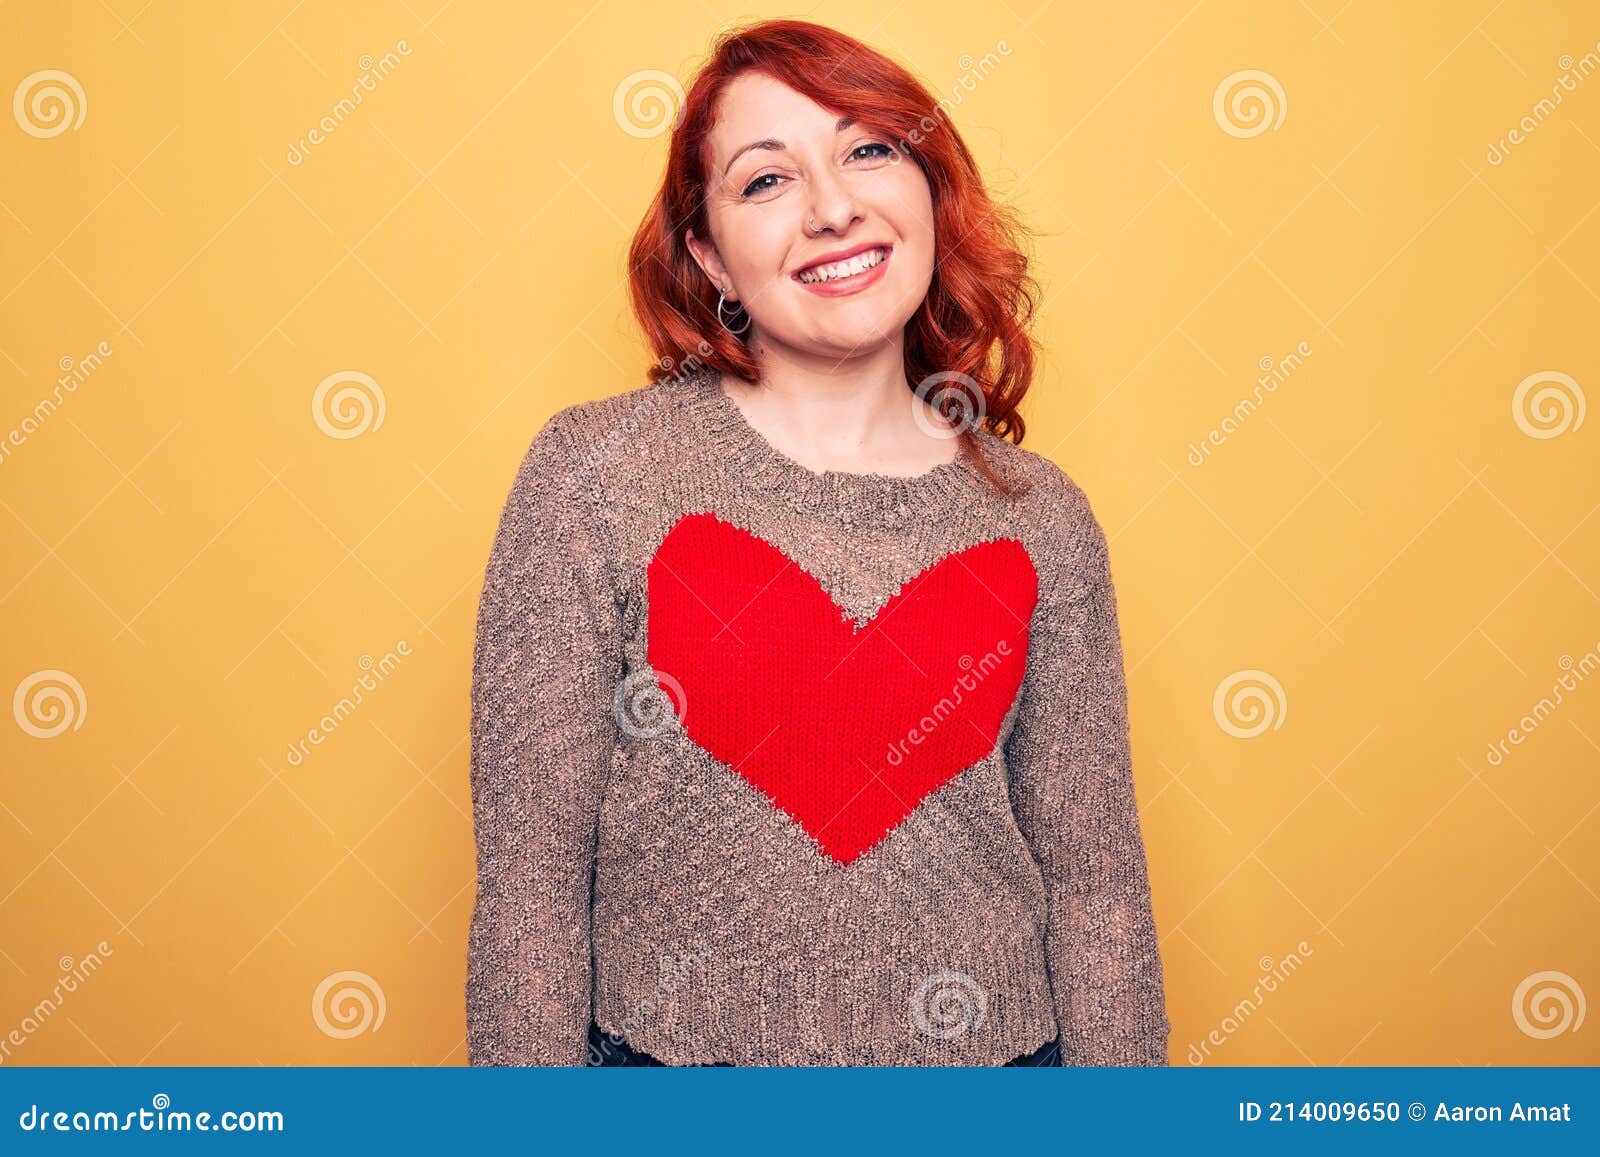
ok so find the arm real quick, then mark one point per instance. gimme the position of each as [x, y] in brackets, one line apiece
[545, 665]
[1072, 788]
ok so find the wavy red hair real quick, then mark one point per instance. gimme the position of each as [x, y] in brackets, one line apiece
[975, 318]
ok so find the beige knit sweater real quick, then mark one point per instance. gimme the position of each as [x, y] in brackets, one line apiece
[784, 768]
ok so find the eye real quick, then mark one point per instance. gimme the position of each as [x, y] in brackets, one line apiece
[870, 151]
[756, 186]
[887, 151]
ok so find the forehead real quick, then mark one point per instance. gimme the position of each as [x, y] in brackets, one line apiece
[754, 106]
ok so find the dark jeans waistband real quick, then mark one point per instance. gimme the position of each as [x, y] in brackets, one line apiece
[605, 1052]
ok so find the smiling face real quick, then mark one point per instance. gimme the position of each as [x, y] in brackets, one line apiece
[820, 228]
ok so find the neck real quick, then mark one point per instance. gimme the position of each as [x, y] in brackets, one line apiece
[849, 414]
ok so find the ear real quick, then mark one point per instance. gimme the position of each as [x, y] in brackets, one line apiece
[705, 256]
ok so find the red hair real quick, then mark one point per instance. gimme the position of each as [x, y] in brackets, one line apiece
[972, 326]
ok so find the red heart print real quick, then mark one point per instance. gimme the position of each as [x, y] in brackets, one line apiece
[846, 729]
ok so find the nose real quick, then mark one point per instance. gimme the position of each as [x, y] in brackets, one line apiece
[833, 207]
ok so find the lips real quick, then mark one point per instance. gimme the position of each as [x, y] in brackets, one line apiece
[841, 255]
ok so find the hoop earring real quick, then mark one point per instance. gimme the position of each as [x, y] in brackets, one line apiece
[722, 297]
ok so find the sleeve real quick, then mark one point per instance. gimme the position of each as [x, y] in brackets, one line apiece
[546, 661]
[1072, 790]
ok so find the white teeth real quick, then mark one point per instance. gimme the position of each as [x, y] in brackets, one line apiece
[860, 263]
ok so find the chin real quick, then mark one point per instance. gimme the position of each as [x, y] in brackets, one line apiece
[860, 332]
[857, 339]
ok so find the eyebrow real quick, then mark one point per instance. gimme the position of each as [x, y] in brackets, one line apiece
[777, 145]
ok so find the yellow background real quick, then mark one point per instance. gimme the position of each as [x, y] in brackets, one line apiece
[1383, 536]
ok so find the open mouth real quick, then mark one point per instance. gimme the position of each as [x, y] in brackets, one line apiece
[850, 267]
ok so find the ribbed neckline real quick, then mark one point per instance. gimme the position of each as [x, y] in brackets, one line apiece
[850, 497]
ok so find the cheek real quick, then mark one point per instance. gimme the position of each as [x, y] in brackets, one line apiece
[757, 246]
[908, 205]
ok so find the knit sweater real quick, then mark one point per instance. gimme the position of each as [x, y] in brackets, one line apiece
[778, 767]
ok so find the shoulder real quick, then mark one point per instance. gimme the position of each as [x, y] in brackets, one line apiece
[1056, 510]
[613, 434]
[589, 438]
[1051, 497]
[576, 463]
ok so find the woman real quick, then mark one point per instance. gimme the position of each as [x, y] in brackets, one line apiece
[799, 715]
